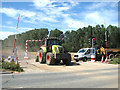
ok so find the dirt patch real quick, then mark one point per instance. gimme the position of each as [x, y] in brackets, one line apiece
[72, 54]
[32, 66]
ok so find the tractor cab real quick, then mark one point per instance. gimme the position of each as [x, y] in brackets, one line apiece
[50, 42]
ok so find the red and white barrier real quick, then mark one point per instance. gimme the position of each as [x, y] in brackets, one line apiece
[92, 58]
[26, 53]
[106, 59]
[102, 59]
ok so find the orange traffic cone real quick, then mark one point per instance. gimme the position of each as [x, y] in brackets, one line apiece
[102, 59]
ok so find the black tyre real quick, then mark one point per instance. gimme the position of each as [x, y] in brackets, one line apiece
[77, 60]
[37, 59]
[50, 59]
[57, 61]
[84, 59]
[117, 55]
[41, 56]
[67, 61]
[111, 56]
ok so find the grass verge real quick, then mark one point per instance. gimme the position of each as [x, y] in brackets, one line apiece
[115, 61]
[11, 66]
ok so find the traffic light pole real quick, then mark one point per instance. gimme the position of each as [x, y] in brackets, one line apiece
[93, 42]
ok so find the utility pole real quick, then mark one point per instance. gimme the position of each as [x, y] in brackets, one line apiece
[106, 38]
[14, 51]
[15, 36]
[91, 37]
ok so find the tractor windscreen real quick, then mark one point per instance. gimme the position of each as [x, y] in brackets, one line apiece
[53, 42]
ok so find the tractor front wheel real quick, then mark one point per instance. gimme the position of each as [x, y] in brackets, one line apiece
[50, 59]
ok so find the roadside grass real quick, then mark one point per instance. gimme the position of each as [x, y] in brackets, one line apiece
[11, 66]
[115, 61]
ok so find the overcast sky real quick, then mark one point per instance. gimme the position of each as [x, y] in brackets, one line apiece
[50, 14]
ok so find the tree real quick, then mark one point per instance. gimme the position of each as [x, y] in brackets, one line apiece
[55, 33]
[73, 40]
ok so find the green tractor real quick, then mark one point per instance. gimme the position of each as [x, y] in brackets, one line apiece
[52, 53]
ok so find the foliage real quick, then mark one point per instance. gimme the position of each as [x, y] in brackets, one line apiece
[36, 34]
[3, 59]
[115, 61]
[0, 64]
[55, 33]
[11, 66]
[73, 40]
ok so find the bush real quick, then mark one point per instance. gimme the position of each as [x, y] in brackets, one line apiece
[3, 59]
[11, 66]
[115, 61]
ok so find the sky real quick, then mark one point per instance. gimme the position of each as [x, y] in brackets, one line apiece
[66, 15]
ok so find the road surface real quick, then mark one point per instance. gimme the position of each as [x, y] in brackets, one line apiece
[88, 78]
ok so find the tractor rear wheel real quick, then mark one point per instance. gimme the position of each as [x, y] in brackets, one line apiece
[67, 61]
[50, 59]
[57, 61]
[41, 56]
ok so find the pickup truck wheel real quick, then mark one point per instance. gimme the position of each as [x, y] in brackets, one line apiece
[84, 59]
[77, 60]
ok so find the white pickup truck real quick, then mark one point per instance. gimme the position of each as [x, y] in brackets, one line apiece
[84, 54]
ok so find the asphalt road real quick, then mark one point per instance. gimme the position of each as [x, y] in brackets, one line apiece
[102, 78]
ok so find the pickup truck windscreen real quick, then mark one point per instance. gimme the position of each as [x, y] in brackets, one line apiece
[81, 51]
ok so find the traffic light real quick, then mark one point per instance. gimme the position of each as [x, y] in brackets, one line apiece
[94, 41]
[90, 41]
